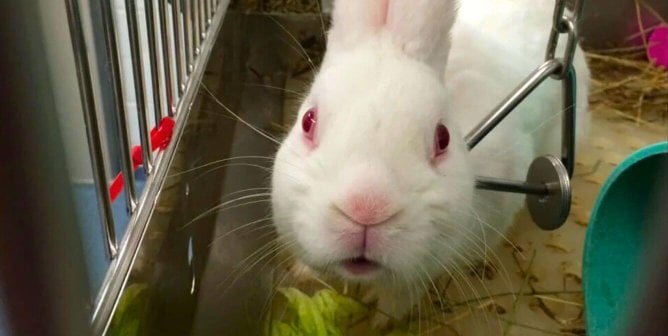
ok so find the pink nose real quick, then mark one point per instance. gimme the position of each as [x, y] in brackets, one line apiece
[367, 209]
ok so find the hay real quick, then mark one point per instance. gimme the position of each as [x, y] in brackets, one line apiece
[625, 82]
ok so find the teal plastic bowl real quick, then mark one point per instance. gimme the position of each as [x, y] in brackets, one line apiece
[618, 239]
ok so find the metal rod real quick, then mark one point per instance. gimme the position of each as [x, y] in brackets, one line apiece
[197, 36]
[153, 55]
[188, 27]
[569, 93]
[519, 187]
[510, 102]
[207, 13]
[92, 127]
[178, 48]
[202, 15]
[167, 61]
[121, 118]
[140, 90]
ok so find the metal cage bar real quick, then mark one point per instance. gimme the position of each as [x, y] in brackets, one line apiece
[121, 118]
[140, 95]
[178, 46]
[179, 102]
[187, 25]
[93, 135]
[166, 57]
[197, 37]
[154, 61]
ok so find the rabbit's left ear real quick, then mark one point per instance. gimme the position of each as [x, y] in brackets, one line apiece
[420, 28]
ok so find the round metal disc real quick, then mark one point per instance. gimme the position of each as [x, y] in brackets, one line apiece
[550, 211]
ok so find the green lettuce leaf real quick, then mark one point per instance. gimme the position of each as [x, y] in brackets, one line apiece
[326, 313]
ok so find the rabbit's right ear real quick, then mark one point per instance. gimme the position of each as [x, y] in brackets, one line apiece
[419, 28]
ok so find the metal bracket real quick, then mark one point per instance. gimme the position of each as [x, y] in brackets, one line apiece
[547, 185]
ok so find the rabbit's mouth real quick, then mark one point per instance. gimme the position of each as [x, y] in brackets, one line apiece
[361, 266]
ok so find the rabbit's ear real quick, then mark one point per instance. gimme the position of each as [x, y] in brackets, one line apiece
[354, 21]
[420, 28]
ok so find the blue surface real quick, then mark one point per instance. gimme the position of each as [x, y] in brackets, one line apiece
[615, 246]
[91, 229]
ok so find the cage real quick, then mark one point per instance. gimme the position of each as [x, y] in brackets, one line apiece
[203, 87]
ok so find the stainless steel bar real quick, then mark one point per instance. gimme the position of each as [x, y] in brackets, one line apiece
[511, 101]
[178, 45]
[167, 60]
[188, 27]
[116, 278]
[519, 187]
[569, 93]
[153, 55]
[202, 15]
[207, 13]
[93, 136]
[197, 28]
[140, 90]
[121, 118]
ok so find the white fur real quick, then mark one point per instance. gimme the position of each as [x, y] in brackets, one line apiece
[381, 91]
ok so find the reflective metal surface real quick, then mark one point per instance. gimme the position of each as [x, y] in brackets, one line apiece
[140, 89]
[111, 46]
[109, 297]
[157, 77]
[92, 126]
[549, 211]
[198, 277]
[502, 110]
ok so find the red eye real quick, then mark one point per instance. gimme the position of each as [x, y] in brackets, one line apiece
[441, 139]
[309, 122]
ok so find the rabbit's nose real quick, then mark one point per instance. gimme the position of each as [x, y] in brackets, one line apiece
[368, 208]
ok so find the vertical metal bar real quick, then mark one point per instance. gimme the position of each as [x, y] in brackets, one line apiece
[188, 27]
[178, 48]
[197, 36]
[207, 13]
[153, 54]
[210, 10]
[92, 127]
[568, 92]
[140, 90]
[121, 118]
[167, 60]
[202, 16]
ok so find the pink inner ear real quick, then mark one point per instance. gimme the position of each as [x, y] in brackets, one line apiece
[380, 18]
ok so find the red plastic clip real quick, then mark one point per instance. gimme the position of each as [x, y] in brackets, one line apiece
[160, 138]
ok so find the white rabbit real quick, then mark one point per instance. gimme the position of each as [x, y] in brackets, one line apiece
[374, 182]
